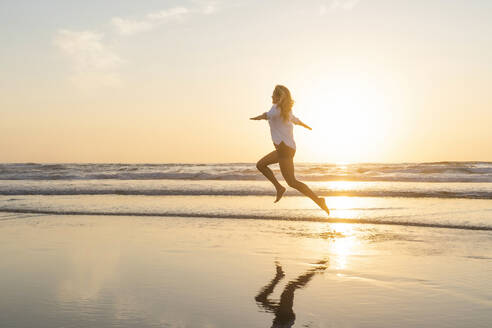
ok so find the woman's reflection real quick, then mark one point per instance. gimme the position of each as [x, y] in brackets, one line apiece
[284, 314]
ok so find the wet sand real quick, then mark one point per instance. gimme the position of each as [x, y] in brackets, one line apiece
[100, 271]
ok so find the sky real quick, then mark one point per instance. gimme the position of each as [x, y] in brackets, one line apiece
[176, 81]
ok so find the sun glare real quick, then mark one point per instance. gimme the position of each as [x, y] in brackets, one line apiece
[351, 118]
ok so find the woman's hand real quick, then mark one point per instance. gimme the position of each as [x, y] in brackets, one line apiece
[259, 117]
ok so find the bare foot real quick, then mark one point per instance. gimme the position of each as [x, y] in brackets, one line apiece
[280, 193]
[322, 204]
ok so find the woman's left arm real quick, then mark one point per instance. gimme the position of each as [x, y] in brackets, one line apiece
[297, 121]
[303, 125]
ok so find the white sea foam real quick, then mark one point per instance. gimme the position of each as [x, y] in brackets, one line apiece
[417, 172]
[419, 212]
[222, 190]
[243, 188]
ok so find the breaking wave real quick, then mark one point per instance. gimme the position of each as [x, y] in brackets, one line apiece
[416, 172]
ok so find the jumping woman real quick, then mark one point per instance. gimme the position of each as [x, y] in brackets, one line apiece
[281, 120]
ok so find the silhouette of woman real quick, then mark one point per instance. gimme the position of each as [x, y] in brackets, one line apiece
[283, 310]
[281, 120]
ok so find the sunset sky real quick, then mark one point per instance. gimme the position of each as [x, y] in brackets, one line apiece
[176, 81]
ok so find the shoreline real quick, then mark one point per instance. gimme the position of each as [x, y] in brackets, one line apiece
[246, 217]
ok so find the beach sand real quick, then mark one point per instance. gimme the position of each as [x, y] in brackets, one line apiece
[103, 271]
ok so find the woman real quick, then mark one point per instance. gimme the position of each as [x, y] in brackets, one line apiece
[281, 120]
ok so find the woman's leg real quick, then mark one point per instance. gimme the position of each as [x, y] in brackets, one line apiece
[287, 168]
[262, 166]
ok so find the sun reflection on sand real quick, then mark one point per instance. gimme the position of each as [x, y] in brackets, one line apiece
[341, 240]
[342, 248]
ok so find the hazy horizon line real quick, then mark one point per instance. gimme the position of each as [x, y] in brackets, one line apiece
[240, 162]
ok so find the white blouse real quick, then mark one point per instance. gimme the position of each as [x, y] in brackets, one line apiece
[281, 130]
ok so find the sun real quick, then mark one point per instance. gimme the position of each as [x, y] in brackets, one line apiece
[351, 115]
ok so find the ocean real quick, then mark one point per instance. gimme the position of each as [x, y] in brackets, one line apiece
[442, 194]
[203, 245]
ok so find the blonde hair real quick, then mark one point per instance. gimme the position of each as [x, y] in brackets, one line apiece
[285, 101]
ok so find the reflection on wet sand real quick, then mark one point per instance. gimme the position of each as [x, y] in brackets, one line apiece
[283, 309]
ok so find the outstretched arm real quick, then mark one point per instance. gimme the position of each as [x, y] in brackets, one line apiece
[299, 122]
[260, 117]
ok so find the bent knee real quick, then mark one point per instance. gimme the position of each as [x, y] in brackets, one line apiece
[260, 166]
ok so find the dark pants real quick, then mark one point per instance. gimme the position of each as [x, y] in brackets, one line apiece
[284, 151]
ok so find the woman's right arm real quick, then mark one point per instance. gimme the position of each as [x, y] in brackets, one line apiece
[260, 117]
